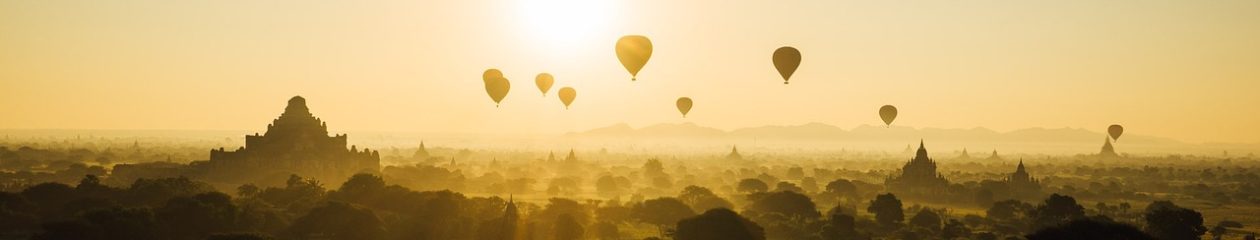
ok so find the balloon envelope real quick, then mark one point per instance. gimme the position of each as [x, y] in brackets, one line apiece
[888, 113]
[544, 81]
[567, 94]
[496, 87]
[1115, 130]
[786, 59]
[634, 52]
[491, 74]
[684, 105]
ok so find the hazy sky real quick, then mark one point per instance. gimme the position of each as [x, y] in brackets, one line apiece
[1188, 70]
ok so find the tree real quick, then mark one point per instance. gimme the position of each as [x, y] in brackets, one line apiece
[338, 221]
[1057, 209]
[1223, 227]
[125, 223]
[786, 203]
[1217, 232]
[955, 229]
[69, 230]
[887, 210]
[16, 213]
[662, 212]
[752, 185]
[561, 206]
[718, 224]
[1090, 229]
[50, 198]
[842, 188]
[701, 199]
[614, 212]
[1167, 221]
[248, 190]
[359, 189]
[154, 192]
[566, 228]
[840, 227]
[984, 197]
[607, 231]
[298, 196]
[1008, 210]
[784, 215]
[240, 236]
[198, 216]
[926, 218]
[653, 168]
[607, 186]
[787, 186]
[563, 186]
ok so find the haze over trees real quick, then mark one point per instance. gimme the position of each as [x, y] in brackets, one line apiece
[65, 189]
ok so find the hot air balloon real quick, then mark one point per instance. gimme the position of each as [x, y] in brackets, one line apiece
[567, 94]
[684, 105]
[786, 59]
[634, 52]
[888, 113]
[491, 74]
[496, 85]
[544, 81]
[1115, 130]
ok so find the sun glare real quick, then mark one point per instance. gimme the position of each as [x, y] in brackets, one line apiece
[565, 22]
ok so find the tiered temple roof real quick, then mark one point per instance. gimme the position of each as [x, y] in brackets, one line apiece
[919, 175]
[296, 143]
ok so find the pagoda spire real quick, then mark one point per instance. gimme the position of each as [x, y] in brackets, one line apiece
[1107, 149]
[734, 155]
[922, 153]
[994, 156]
[421, 152]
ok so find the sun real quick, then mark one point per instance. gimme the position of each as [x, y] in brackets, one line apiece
[565, 22]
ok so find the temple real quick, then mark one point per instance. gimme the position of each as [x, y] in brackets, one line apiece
[572, 158]
[964, 155]
[295, 143]
[734, 155]
[994, 156]
[421, 153]
[1021, 179]
[1022, 184]
[918, 176]
[1107, 150]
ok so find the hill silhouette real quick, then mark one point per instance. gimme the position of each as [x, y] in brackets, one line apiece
[979, 139]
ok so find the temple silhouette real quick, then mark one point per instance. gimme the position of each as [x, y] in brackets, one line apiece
[295, 143]
[919, 176]
[734, 155]
[1107, 150]
[1022, 184]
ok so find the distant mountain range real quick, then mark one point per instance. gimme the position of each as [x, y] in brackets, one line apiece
[982, 139]
[825, 132]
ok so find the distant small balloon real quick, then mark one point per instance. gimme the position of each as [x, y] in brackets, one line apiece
[496, 85]
[634, 51]
[888, 113]
[567, 94]
[786, 60]
[684, 105]
[1115, 130]
[544, 81]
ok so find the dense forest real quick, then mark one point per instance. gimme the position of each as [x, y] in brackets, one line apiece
[63, 193]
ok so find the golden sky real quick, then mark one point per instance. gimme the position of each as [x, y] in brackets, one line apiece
[1188, 70]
